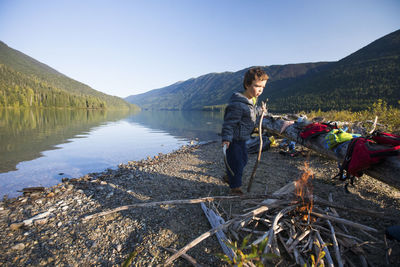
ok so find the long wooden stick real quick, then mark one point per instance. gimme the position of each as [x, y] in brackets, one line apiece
[259, 151]
[297, 240]
[330, 198]
[215, 220]
[185, 256]
[213, 231]
[374, 125]
[169, 202]
[344, 221]
[318, 200]
[335, 245]
[324, 248]
[271, 235]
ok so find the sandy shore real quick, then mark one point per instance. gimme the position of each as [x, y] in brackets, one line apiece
[59, 236]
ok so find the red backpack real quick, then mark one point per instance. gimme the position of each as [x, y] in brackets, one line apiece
[386, 138]
[361, 154]
[315, 129]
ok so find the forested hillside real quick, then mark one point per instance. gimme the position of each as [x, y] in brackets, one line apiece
[353, 83]
[26, 82]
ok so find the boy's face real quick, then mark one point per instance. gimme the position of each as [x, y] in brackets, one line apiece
[255, 89]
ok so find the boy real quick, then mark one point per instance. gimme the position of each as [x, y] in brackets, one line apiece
[239, 122]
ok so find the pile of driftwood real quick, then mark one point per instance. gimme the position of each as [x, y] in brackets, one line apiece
[297, 226]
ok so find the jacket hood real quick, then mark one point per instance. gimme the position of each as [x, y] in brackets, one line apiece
[239, 97]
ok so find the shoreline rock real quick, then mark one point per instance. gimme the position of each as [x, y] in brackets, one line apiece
[46, 228]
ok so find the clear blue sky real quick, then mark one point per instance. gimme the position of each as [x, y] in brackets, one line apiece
[123, 47]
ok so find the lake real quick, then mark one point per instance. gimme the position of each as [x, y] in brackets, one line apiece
[40, 147]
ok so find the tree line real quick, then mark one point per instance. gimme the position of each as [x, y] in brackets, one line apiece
[18, 90]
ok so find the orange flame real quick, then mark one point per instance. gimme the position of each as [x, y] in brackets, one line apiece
[304, 190]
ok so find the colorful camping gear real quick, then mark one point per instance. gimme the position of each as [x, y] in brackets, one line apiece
[315, 129]
[338, 136]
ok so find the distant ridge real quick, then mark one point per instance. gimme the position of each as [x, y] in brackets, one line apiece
[26, 82]
[354, 82]
[214, 88]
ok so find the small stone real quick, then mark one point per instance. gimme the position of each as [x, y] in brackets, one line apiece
[51, 194]
[40, 221]
[16, 226]
[103, 182]
[59, 224]
[119, 247]
[19, 246]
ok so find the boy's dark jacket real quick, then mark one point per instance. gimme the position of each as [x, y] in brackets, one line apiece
[239, 118]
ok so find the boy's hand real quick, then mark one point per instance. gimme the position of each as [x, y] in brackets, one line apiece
[225, 143]
[264, 107]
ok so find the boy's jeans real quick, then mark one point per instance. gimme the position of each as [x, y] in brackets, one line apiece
[236, 155]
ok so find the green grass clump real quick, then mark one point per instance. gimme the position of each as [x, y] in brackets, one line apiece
[388, 116]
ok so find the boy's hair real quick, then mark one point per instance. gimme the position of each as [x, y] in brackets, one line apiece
[255, 73]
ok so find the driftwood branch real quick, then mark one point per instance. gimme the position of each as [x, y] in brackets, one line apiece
[344, 221]
[169, 202]
[215, 221]
[323, 245]
[374, 125]
[253, 173]
[213, 231]
[335, 245]
[271, 234]
[378, 214]
[185, 256]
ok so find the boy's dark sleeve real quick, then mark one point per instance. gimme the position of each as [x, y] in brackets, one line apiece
[233, 115]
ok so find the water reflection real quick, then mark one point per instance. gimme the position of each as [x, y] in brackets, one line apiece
[36, 146]
[25, 133]
[187, 124]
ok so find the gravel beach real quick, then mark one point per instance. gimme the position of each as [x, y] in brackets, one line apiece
[46, 228]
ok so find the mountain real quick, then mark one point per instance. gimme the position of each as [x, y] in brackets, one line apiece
[355, 82]
[26, 82]
[215, 88]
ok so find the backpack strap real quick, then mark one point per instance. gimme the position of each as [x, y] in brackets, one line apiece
[393, 151]
[345, 164]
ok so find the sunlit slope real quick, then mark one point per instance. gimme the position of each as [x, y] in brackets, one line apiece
[25, 81]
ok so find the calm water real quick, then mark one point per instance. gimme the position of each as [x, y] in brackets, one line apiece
[39, 147]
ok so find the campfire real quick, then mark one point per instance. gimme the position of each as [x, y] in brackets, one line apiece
[304, 192]
[295, 226]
